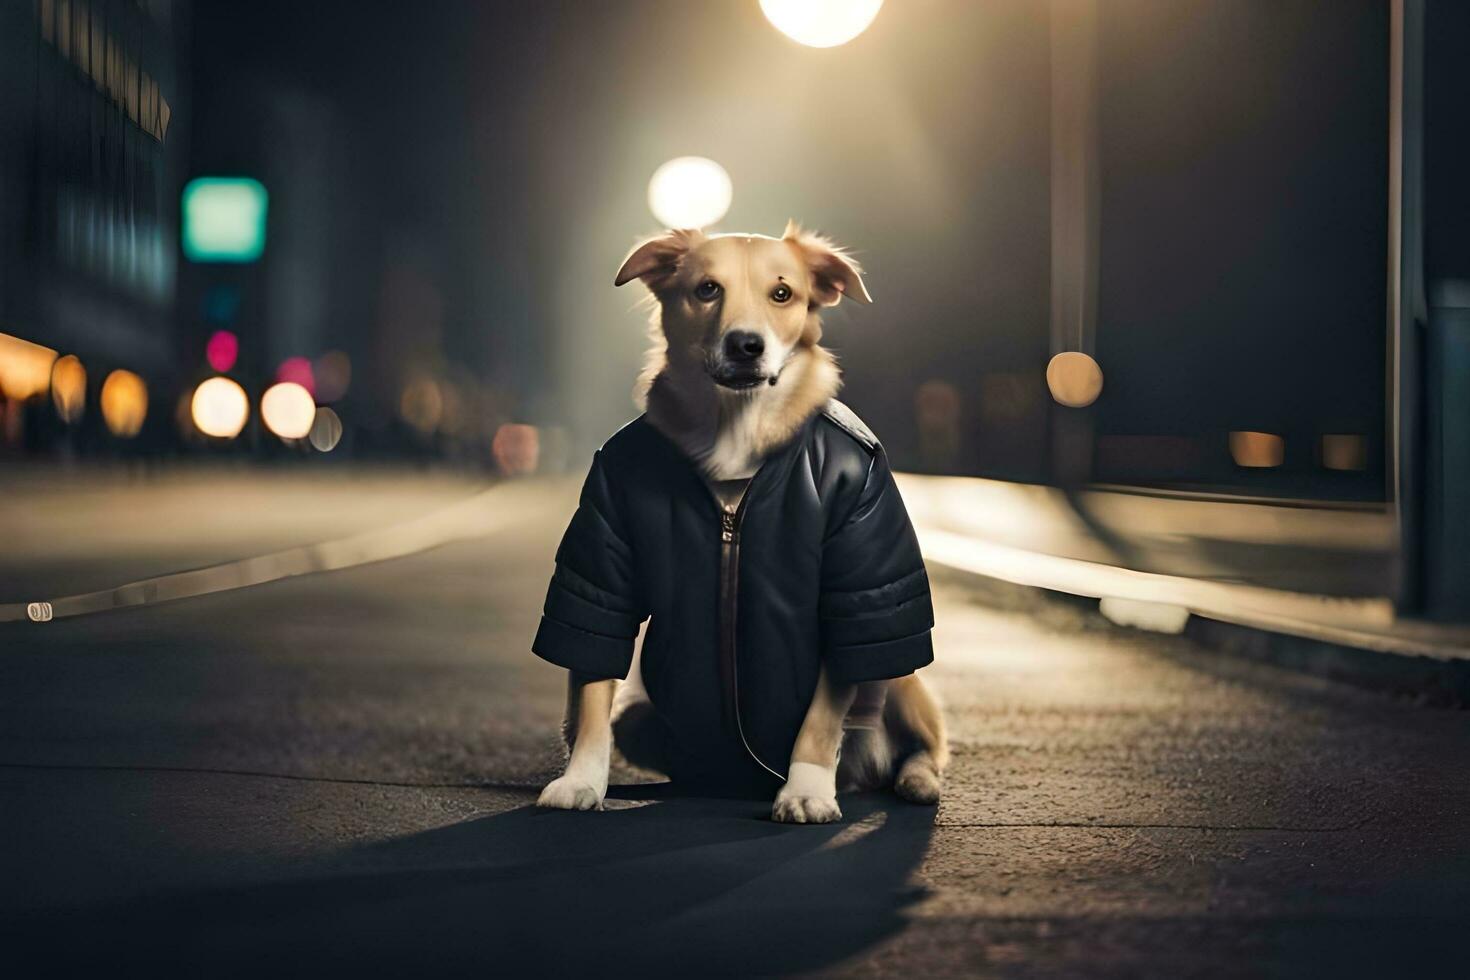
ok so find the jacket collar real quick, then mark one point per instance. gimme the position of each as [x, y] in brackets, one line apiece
[772, 471]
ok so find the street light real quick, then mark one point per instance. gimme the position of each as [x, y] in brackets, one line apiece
[689, 192]
[821, 23]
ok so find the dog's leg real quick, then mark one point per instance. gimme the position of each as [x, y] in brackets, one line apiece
[638, 734]
[810, 793]
[588, 730]
[913, 716]
[867, 756]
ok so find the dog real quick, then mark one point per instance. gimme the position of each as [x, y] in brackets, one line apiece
[733, 314]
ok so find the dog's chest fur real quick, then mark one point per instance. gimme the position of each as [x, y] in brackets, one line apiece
[738, 449]
[728, 434]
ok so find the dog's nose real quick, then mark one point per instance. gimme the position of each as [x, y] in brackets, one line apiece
[743, 345]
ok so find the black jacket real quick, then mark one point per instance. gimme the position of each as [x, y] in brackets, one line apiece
[818, 565]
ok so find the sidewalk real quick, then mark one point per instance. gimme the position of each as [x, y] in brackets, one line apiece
[1297, 584]
[74, 530]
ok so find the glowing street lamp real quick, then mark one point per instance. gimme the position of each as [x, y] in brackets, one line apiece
[689, 192]
[821, 23]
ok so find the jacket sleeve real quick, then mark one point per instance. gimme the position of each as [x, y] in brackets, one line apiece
[592, 607]
[875, 606]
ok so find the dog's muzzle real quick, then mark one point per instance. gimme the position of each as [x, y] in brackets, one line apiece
[738, 379]
[737, 363]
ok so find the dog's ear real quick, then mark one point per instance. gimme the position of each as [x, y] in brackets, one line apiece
[835, 274]
[655, 260]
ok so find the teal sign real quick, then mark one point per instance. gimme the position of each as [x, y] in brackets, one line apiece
[224, 219]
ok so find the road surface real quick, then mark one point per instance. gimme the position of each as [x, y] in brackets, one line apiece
[335, 772]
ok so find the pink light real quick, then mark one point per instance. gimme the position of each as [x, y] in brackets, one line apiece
[298, 371]
[222, 350]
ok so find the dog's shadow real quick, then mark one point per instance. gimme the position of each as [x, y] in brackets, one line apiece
[662, 883]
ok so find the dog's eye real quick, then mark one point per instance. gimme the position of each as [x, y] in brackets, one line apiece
[707, 290]
[781, 293]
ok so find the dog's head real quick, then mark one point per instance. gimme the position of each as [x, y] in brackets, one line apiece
[741, 305]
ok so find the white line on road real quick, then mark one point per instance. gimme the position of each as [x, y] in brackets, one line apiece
[484, 513]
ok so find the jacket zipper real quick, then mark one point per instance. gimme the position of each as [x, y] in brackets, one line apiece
[729, 593]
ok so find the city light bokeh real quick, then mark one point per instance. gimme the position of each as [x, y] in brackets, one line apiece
[287, 409]
[1074, 378]
[124, 402]
[298, 371]
[220, 408]
[332, 372]
[326, 430]
[222, 350]
[1257, 450]
[517, 448]
[25, 368]
[224, 219]
[69, 387]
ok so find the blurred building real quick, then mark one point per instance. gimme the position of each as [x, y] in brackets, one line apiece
[93, 146]
[1437, 312]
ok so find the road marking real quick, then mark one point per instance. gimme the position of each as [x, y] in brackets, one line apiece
[488, 511]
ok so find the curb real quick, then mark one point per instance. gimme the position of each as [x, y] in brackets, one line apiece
[1429, 681]
[1426, 680]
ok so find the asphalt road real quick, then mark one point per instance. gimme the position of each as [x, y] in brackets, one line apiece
[335, 772]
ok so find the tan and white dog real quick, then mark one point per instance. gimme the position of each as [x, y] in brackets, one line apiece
[709, 385]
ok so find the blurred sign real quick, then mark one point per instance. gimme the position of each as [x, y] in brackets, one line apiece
[224, 219]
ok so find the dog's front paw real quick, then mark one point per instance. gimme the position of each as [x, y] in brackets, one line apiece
[809, 796]
[805, 809]
[570, 793]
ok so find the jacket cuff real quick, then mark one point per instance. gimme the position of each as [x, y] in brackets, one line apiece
[906, 619]
[587, 653]
[879, 661]
[570, 609]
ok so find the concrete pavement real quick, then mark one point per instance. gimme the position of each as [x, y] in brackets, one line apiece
[335, 772]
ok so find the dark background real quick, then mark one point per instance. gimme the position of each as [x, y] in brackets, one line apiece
[453, 184]
[496, 156]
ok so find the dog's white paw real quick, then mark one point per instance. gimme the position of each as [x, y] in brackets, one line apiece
[809, 796]
[805, 809]
[570, 793]
[918, 780]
